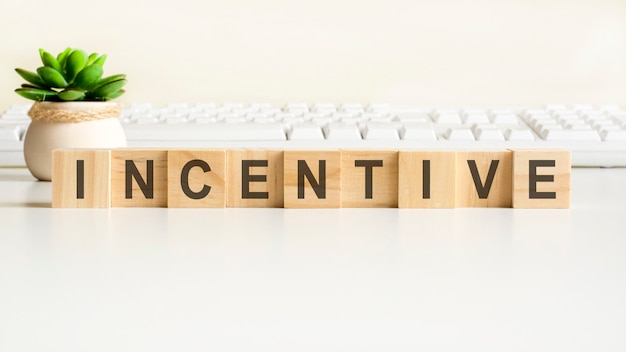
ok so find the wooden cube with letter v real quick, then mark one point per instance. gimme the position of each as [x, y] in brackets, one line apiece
[81, 179]
[541, 178]
[312, 179]
[484, 179]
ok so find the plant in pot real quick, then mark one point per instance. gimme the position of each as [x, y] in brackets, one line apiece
[72, 109]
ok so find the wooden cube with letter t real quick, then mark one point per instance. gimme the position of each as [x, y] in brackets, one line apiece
[138, 178]
[196, 178]
[484, 179]
[81, 178]
[369, 178]
[255, 178]
[541, 178]
[312, 179]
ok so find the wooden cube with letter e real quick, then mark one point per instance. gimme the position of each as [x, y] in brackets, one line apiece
[541, 178]
[255, 178]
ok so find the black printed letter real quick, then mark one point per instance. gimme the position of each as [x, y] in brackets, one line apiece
[184, 179]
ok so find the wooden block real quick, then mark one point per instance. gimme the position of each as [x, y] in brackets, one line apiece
[196, 178]
[484, 179]
[81, 178]
[255, 178]
[312, 179]
[541, 178]
[427, 179]
[138, 178]
[369, 179]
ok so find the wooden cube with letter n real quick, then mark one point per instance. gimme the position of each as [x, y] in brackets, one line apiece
[369, 178]
[138, 178]
[81, 178]
[484, 179]
[255, 178]
[312, 179]
[541, 178]
[196, 179]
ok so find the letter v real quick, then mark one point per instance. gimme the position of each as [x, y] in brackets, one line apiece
[483, 190]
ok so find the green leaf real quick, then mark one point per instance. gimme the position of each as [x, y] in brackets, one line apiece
[51, 61]
[107, 80]
[52, 77]
[100, 61]
[32, 77]
[37, 94]
[71, 94]
[108, 88]
[88, 76]
[62, 57]
[75, 63]
[115, 95]
[92, 58]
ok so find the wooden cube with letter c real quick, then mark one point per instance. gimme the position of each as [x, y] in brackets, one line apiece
[196, 178]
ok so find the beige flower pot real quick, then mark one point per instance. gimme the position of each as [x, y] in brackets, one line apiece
[57, 125]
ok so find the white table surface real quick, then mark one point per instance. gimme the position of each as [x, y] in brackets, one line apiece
[314, 280]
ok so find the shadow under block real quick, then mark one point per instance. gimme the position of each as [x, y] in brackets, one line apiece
[541, 178]
[196, 178]
[138, 178]
[81, 178]
[369, 179]
[255, 178]
[484, 179]
[427, 179]
[312, 179]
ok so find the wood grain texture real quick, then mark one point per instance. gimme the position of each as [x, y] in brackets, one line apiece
[484, 179]
[196, 178]
[81, 178]
[369, 179]
[327, 184]
[427, 179]
[140, 158]
[255, 178]
[541, 178]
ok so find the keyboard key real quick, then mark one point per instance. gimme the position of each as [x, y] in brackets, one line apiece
[206, 132]
[570, 135]
[418, 132]
[10, 133]
[613, 135]
[380, 131]
[459, 134]
[447, 118]
[488, 134]
[342, 131]
[305, 131]
[518, 134]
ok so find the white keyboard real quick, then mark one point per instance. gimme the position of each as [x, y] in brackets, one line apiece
[596, 135]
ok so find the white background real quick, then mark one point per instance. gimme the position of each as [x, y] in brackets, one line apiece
[447, 52]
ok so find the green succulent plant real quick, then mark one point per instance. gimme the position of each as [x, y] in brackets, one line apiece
[70, 76]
